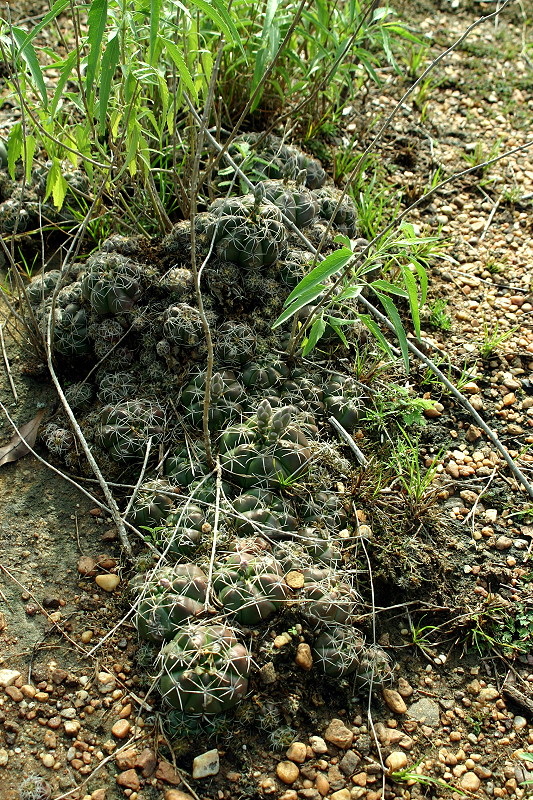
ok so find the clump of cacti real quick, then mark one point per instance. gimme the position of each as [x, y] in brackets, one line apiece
[234, 344]
[338, 650]
[249, 586]
[333, 205]
[34, 787]
[153, 503]
[265, 451]
[259, 511]
[126, 428]
[204, 669]
[267, 157]
[296, 203]
[170, 596]
[327, 597]
[117, 386]
[185, 528]
[182, 325]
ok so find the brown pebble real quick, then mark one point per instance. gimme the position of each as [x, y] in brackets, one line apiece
[338, 734]
[294, 579]
[99, 794]
[297, 752]
[395, 701]
[322, 784]
[125, 712]
[87, 566]
[177, 794]
[470, 782]
[126, 759]
[14, 693]
[287, 772]
[146, 762]
[121, 728]
[72, 727]
[107, 582]
[129, 779]
[166, 772]
[304, 657]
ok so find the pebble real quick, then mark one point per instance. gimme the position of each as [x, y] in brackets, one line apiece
[349, 763]
[322, 784]
[297, 752]
[342, 794]
[176, 794]
[395, 701]
[48, 760]
[318, 745]
[87, 566]
[470, 782]
[488, 694]
[426, 711]
[72, 727]
[206, 764]
[166, 772]
[107, 582]
[146, 761]
[8, 677]
[129, 779]
[126, 759]
[519, 723]
[404, 688]
[121, 728]
[106, 682]
[503, 543]
[14, 693]
[304, 658]
[396, 761]
[338, 734]
[4, 757]
[287, 772]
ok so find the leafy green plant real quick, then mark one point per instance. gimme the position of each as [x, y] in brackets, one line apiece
[410, 775]
[493, 339]
[438, 317]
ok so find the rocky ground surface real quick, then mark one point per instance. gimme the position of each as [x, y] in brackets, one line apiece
[459, 710]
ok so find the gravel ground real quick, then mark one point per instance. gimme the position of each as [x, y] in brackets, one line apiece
[452, 713]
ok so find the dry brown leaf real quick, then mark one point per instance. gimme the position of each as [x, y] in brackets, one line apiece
[17, 448]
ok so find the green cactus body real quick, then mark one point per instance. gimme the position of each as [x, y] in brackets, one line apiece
[13, 216]
[250, 587]
[153, 503]
[259, 377]
[338, 651]
[374, 668]
[235, 344]
[320, 546]
[246, 232]
[326, 598]
[266, 450]
[182, 325]
[270, 159]
[172, 595]
[226, 392]
[345, 219]
[342, 401]
[295, 202]
[125, 429]
[71, 337]
[186, 465]
[42, 286]
[116, 386]
[111, 284]
[204, 670]
[294, 266]
[185, 529]
[260, 511]
[324, 509]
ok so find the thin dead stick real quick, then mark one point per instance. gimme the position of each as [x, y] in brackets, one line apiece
[491, 217]
[472, 512]
[215, 533]
[343, 433]
[140, 479]
[6, 364]
[519, 475]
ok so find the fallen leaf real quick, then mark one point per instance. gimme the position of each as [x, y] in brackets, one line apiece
[21, 441]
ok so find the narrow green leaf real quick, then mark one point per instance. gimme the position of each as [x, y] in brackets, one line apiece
[335, 323]
[30, 57]
[315, 334]
[109, 65]
[30, 145]
[177, 57]
[219, 14]
[412, 289]
[305, 298]
[155, 13]
[14, 148]
[97, 19]
[269, 44]
[340, 238]
[331, 264]
[64, 75]
[374, 329]
[423, 277]
[394, 317]
[386, 286]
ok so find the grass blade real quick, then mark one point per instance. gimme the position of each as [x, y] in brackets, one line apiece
[177, 57]
[97, 20]
[155, 13]
[30, 57]
[412, 290]
[392, 313]
[109, 65]
[331, 264]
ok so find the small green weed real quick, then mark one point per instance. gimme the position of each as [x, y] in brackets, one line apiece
[438, 318]
[493, 339]
[410, 775]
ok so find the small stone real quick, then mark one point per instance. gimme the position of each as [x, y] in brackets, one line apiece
[509, 399]
[107, 582]
[126, 759]
[519, 723]
[395, 701]
[87, 566]
[8, 677]
[318, 745]
[48, 760]
[166, 772]
[281, 640]
[488, 694]
[297, 752]
[206, 764]
[146, 762]
[396, 761]
[129, 779]
[106, 682]
[14, 693]
[28, 690]
[473, 433]
[121, 728]
[425, 710]
[72, 727]
[349, 763]
[338, 734]
[50, 740]
[4, 757]
[471, 388]
[99, 794]
[503, 543]
[342, 794]
[177, 794]
[470, 782]
[322, 784]
[268, 673]
[304, 657]
[287, 772]
[125, 711]
[294, 579]
[404, 688]
[86, 637]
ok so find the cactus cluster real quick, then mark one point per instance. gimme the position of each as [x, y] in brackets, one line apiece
[129, 318]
